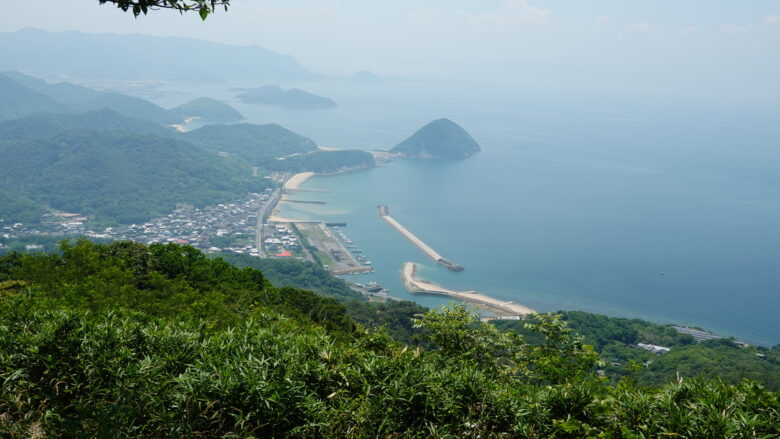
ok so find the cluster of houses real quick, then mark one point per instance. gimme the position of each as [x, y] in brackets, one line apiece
[224, 227]
[51, 224]
[280, 240]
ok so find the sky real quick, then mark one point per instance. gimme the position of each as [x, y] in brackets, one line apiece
[700, 47]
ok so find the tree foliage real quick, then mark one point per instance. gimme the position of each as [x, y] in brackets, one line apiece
[203, 7]
[127, 340]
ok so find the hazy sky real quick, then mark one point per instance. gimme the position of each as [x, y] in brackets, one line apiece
[693, 46]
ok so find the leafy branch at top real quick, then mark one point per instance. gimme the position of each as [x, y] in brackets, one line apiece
[138, 7]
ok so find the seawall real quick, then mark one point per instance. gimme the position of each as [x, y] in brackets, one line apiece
[499, 307]
[384, 213]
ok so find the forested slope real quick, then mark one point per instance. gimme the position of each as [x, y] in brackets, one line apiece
[125, 340]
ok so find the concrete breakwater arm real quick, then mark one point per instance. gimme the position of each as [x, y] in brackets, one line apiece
[425, 248]
[416, 286]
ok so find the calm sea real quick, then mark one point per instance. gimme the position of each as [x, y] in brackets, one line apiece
[648, 208]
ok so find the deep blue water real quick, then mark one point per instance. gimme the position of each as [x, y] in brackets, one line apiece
[667, 211]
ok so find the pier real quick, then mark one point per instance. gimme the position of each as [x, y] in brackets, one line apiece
[287, 200]
[501, 308]
[384, 213]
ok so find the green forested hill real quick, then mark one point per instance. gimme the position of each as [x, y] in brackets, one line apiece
[258, 144]
[119, 176]
[17, 100]
[324, 161]
[65, 93]
[441, 138]
[130, 106]
[44, 124]
[123, 169]
[276, 148]
[616, 340]
[297, 274]
[125, 340]
[207, 108]
[73, 97]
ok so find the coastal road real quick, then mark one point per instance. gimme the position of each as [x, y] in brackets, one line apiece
[261, 215]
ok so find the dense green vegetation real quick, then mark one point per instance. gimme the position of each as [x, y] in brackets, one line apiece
[159, 280]
[48, 124]
[394, 316]
[275, 148]
[124, 177]
[112, 161]
[15, 207]
[616, 340]
[125, 340]
[17, 101]
[298, 274]
[260, 145]
[292, 98]
[441, 138]
[324, 161]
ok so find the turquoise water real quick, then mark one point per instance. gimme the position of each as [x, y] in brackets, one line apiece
[661, 210]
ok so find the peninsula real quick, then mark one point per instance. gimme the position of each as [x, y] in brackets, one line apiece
[416, 286]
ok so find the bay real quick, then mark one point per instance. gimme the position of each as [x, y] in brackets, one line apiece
[633, 207]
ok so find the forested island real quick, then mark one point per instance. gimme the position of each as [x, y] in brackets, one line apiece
[440, 139]
[292, 98]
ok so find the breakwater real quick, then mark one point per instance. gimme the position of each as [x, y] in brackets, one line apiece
[501, 308]
[384, 213]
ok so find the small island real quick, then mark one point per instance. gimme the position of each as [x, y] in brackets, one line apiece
[292, 98]
[440, 139]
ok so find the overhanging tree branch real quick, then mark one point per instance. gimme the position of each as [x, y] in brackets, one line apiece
[138, 7]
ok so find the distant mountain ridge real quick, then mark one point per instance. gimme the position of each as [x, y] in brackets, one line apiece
[17, 101]
[62, 97]
[441, 138]
[115, 56]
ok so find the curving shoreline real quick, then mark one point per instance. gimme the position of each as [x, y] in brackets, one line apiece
[297, 180]
[416, 286]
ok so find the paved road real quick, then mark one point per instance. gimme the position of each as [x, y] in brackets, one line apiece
[261, 215]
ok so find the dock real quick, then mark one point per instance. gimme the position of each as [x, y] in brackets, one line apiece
[384, 213]
[501, 308]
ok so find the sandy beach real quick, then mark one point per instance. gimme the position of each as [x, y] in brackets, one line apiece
[297, 180]
[499, 307]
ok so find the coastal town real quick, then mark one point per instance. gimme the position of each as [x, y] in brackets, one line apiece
[248, 226]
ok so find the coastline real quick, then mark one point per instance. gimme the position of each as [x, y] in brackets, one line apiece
[501, 308]
[297, 180]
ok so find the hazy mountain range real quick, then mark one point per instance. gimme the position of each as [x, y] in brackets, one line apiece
[113, 56]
